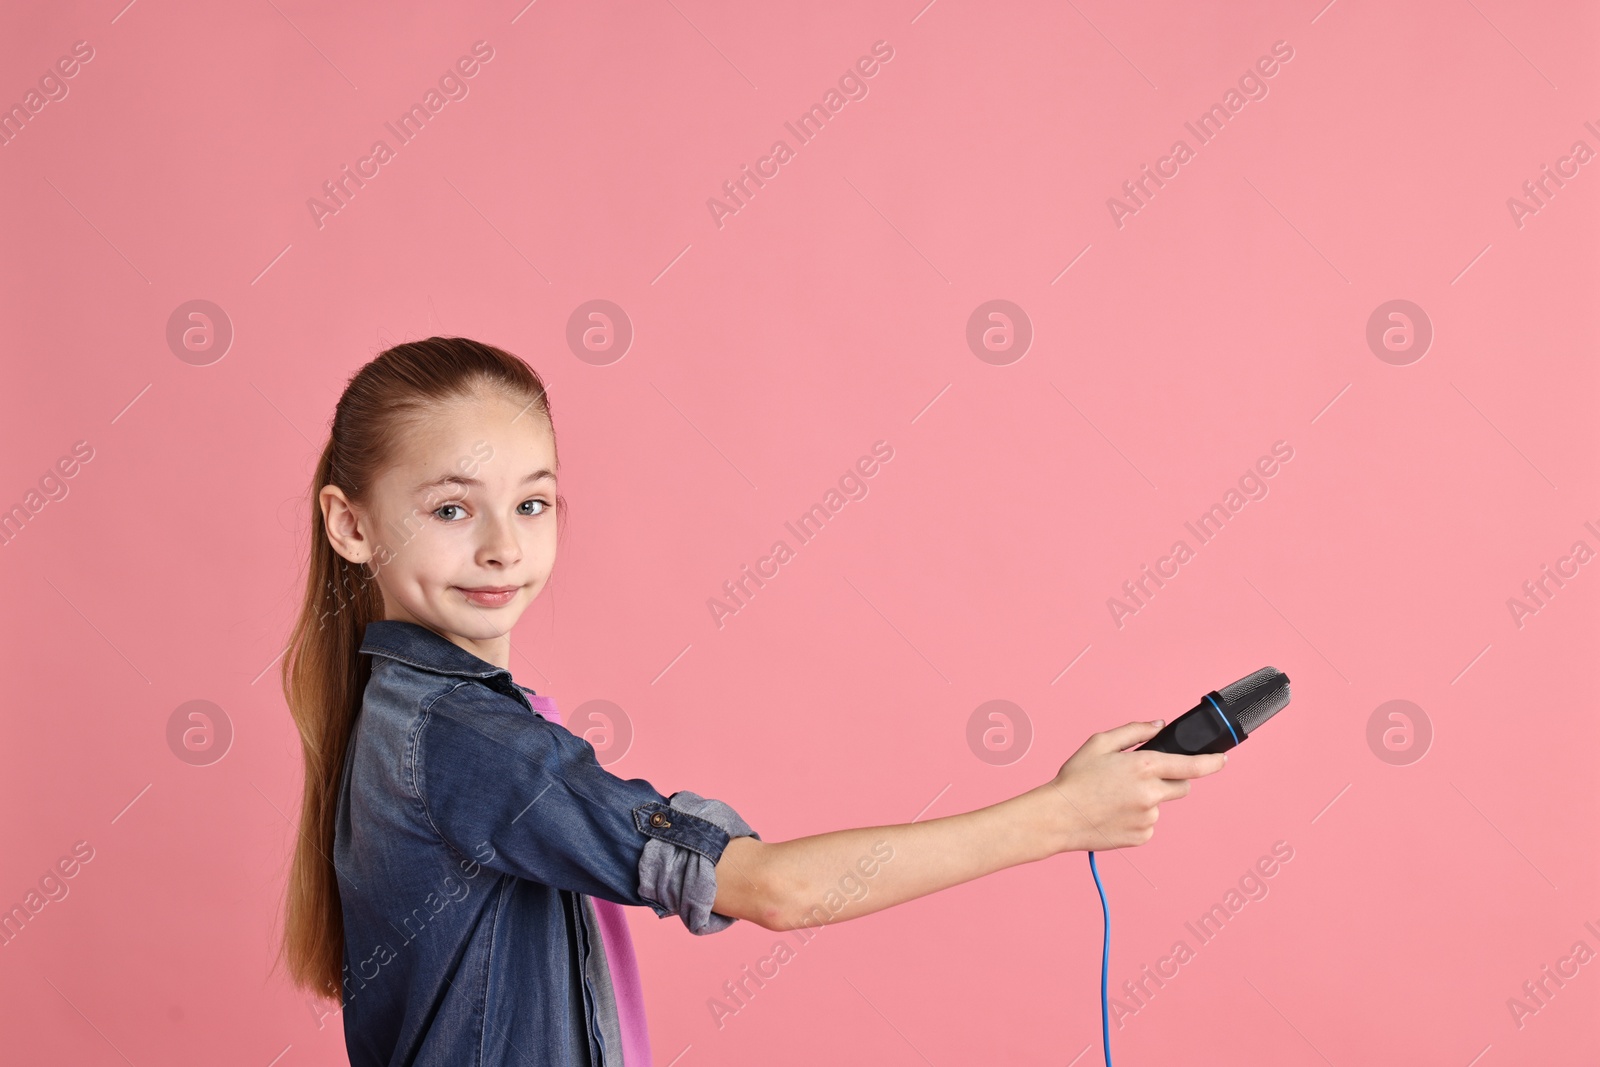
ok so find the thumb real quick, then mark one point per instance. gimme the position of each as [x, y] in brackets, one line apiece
[1130, 734]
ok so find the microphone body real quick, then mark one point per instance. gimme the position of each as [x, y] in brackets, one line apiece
[1225, 717]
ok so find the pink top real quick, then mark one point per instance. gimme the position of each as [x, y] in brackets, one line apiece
[618, 944]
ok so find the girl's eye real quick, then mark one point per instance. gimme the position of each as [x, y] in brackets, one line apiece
[543, 507]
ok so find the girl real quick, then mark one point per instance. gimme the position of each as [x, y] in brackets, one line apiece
[463, 860]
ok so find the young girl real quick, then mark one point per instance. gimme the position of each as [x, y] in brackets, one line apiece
[463, 860]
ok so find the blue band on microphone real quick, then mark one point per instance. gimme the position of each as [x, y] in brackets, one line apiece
[1224, 719]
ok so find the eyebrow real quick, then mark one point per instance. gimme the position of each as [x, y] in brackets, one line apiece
[463, 480]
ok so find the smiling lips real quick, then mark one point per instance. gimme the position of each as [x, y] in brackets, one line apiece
[490, 596]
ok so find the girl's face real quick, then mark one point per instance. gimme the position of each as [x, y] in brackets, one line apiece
[461, 529]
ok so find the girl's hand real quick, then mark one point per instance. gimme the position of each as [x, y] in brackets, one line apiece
[1105, 798]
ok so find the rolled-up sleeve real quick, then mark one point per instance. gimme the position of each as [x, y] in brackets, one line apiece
[676, 870]
[525, 796]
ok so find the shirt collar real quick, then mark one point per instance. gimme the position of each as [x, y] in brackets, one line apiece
[423, 648]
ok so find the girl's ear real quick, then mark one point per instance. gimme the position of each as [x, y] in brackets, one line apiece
[343, 523]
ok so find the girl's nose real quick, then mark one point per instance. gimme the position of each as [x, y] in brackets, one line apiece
[499, 544]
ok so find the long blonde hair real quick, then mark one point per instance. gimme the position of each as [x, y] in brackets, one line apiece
[324, 674]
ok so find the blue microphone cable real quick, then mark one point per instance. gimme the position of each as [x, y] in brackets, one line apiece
[1105, 963]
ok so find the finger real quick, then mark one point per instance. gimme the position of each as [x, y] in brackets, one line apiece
[1132, 733]
[1172, 765]
[1176, 790]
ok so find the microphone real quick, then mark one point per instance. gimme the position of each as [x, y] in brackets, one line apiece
[1225, 717]
[1222, 720]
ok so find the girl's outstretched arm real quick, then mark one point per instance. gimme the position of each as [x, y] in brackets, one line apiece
[1102, 798]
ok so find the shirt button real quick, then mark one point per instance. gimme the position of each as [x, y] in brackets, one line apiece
[659, 819]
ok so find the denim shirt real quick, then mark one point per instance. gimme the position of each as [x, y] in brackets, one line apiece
[471, 832]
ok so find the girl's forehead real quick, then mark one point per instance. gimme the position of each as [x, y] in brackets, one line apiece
[489, 441]
[484, 408]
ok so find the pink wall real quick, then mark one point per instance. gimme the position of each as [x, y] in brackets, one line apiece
[1171, 348]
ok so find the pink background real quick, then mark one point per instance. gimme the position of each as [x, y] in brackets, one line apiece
[769, 354]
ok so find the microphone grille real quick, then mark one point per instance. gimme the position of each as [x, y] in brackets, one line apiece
[1256, 697]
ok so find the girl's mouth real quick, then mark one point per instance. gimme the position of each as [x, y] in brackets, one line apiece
[490, 596]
